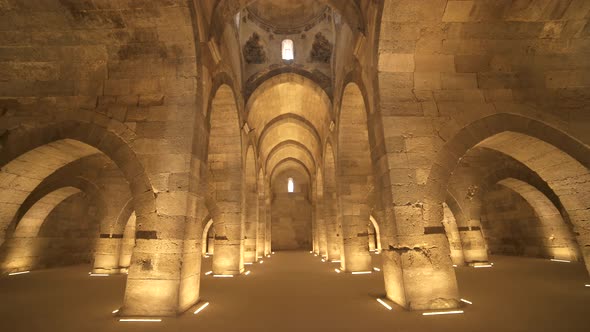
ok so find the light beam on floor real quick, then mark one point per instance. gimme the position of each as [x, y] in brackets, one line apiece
[466, 301]
[442, 313]
[17, 273]
[384, 304]
[362, 272]
[152, 320]
[201, 308]
[560, 260]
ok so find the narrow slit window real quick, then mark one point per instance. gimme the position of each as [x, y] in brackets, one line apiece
[290, 185]
[287, 48]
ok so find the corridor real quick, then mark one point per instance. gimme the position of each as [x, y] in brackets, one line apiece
[295, 291]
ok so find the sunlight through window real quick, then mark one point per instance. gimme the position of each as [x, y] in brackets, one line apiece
[287, 47]
[290, 185]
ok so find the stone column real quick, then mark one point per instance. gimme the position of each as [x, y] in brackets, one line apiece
[107, 253]
[322, 248]
[228, 243]
[473, 242]
[268, 228]
[250, 214]
[333, 232]
[354, 228]
[261, 227]
[127, 245]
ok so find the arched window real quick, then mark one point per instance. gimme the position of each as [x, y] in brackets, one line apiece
[287, 48]
[290, 185]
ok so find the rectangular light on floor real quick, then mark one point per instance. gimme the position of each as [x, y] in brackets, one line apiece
[267, 255]
[201, 308]
[454, 265]
[311, 252]
[362, 272]
[337, 270]
[248, 263]
[323, 260]
[376, 269]
[480, 266]
[442, 313]
[208, 273]
[247, 273]
[99, 275]
[560, 260]
[260, 262]
[115, 311]
[273, 252]
[466, 301]
[140, 320]
[587, 285]
[384, 304]
[17, 273]
[223, 275]
[335, 261]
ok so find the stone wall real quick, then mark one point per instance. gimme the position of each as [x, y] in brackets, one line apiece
[291, 215]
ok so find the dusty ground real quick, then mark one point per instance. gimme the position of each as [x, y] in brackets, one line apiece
[294, 291]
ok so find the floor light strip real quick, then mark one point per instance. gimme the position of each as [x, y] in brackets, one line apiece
[201, 308]
[17, 273]
[248, 263]
[384, 304]
[376, 269]
[442, 313]
[247, 273]
[223, 275]
[336, 261]
[98, 274]
[208, 273]
[140, 320]
[362, 272]
[587, 285]
[337, 270]
[454, 265]
[480, 266]
[466, 301]
[261, 262]
[273, 252]
[323, 260]
[560, 260]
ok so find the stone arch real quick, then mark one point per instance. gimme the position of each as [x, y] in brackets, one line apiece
[224, 181]
[560, 242]
[559, 159]
[20, 251]
[355, 178]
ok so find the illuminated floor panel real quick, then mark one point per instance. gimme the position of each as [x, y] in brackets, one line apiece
[294, 291]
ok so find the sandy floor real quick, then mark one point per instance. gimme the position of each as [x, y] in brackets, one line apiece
[294, 291]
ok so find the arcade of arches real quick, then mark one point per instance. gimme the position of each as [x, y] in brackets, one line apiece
[423, 150]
